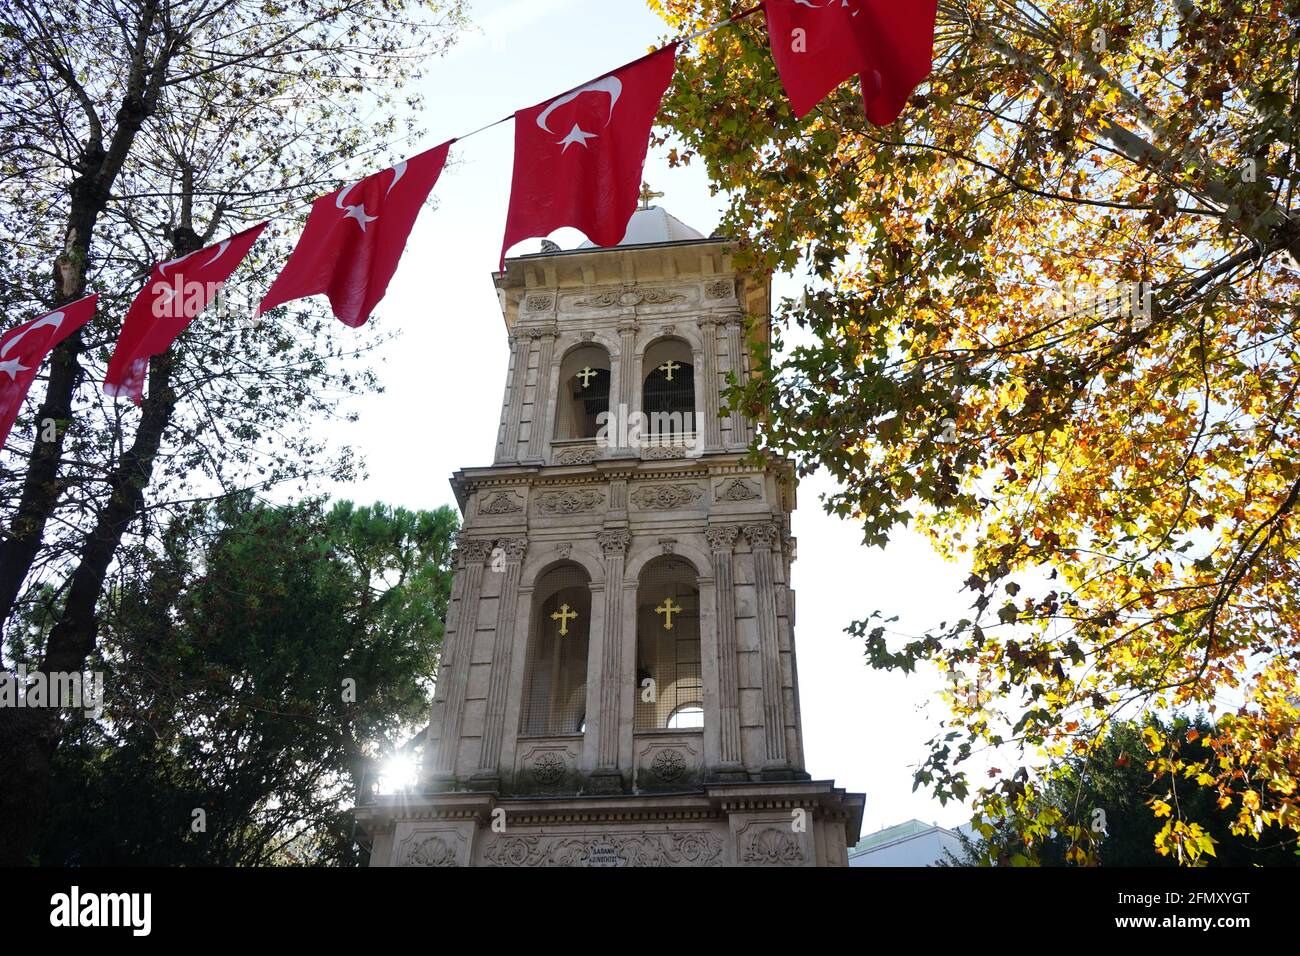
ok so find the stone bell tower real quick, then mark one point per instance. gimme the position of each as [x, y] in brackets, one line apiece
[618, 683]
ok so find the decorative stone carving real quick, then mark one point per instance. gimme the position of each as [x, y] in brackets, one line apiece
[722, 537]
[540, 303]
[431, 851]
[577, 456]
[501, 503]
[548, 769]
[550, 245]
[565, 550]
[473, 551]
[762, 535]
[629, 297]
[720, 289]
[660, 497]
[668, 544]
[614, 542]
[684, 848]
[569, 502]
[772, 846]
[668, 765]
[664, 452]
[668, 331]
[738, 489]
[513, 549]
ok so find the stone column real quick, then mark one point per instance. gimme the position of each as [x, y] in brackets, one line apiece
[607, 776]
[454, 671]
[708, 380]
[736, 364]
[523, 349]
[542, 396]
[763, 538]
[512, 551]
[626, 378]
[722, 541]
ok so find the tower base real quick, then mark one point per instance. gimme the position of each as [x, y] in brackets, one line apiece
[795, 823]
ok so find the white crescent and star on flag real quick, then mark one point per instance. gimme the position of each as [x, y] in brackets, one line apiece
[610, 85]
[14, 366]
[358, 212]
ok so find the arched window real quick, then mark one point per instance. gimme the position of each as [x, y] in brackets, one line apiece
[584, 393]
[555, 685]
[668, 647]
[668, 396]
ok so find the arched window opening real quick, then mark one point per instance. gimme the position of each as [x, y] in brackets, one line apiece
[669, 687]
[555, 688]
[668, 395]
[583, 394]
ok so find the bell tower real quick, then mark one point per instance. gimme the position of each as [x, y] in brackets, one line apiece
[618, 684]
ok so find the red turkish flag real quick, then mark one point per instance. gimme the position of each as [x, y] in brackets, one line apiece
[24, 348]
[176, 292]
[354, 239]
[579, 157]
[818, 44]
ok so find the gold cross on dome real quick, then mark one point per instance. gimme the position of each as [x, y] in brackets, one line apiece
[668, 368]
[587, 374]
[564, 615]
[667, 610]
[648, 194]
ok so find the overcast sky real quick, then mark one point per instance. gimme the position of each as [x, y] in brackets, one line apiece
[446, 373]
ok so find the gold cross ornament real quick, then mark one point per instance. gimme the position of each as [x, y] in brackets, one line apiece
[668, 368]
[648, 194]
[668, 610]
[587, 374]
[564, 615]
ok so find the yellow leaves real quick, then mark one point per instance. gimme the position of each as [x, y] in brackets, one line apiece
[1161, 808]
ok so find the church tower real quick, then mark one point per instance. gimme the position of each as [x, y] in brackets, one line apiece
[618, 685]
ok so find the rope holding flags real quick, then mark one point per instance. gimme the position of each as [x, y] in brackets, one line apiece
[579, 159]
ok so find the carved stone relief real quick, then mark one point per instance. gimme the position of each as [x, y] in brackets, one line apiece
[662, 497]
[627, 848]
[738, 489]
[569, 502]
[501, 503]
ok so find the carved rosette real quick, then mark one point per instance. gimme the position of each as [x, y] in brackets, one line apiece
[722, 537]
[662, 497]
[739, 489]
[569, 502]
[548, 769]
[668, 765]
[689, 848]
[763, 535]
[614, 542]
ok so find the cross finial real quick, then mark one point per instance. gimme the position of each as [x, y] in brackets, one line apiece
[648, 194]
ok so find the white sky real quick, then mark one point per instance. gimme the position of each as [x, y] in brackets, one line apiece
[446, 373]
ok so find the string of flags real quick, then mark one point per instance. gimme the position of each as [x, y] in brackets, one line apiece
[579, 160]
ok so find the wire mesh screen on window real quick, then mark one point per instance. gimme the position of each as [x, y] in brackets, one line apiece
[555, 689]
[669, 403]
[668, 656]
[583, 398]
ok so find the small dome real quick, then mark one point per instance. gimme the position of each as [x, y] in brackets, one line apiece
[653, 225]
